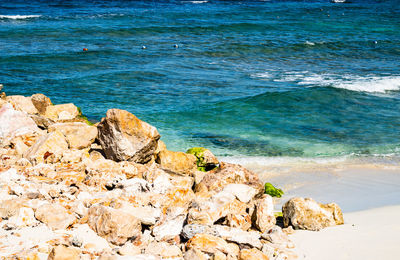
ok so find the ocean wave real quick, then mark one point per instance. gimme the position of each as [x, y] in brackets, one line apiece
[371, 84]
[196, 2]
[19, 17]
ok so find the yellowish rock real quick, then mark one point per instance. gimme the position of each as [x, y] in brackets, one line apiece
[22, 103]
[41, 102]
[114, 225]
[263, 215]
[79, 135]
[54, 215]
[252, 254]
[63, 253]
[52, 144]
[62, 112]
[242, 221]
[310, 215]
[178, 162]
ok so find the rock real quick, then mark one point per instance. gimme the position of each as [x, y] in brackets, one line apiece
[78, 135]
[171, 225]
[195, 254]
[24, 217]
[211, 244]
[252, 254]
[216, 180]
[177, 162]
[147, 215]
[191, 230]
[263, 214]
[206, 161]
[277, 237]
[242, 221]
[310, 215]
[114, 225]
[11, 207]
[62, 112]
[208, 211]
[15, 123]
[41, 121]
[125, 137]
[41, 102]
[164, 250]
[63, 253]
[52, 144]
[84, 235]
[129, 249]
[242, 192]
[54, 215]
[23, 104]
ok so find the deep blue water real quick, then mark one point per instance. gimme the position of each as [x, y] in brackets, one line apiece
[272, 78]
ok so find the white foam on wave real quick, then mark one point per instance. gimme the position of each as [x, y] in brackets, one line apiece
[264, 75]
[198, 2]
[17, 17]
[371, 84]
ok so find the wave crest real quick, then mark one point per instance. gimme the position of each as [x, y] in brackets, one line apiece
[17, 17]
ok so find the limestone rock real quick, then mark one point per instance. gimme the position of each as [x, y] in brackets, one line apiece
[310, 215]
[242, 221]
[210, 244]
[11, 207]
[15, 123]
[195, 254]
[114, 225]
[52, 144]
[61, 112]
[125, 137]
[41, 102]
[178, 162]
[54, 215]
[78, 135]
[252, 254]
[24, 217]
[129, 249]
[89, 240]
[164, 250]
[263, 215]
[41, 121]
[277, 237]
[227, 173]
[63, 253]
[208, 211]
[171, 225]
[23, 104]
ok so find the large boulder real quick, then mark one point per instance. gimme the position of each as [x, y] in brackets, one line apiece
[79, 135]
[216, 180]
[114, 225]
[124, 137]
[52, 144]
[178, 162]
[62, 112]
[22, 103]
[14, 123]
[310, 215]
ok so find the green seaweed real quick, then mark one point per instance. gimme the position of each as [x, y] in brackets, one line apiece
[199, 153]
[271, 190]
[83, 117]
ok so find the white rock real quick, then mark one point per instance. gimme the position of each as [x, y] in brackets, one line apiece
[242, 192]
[89, 239]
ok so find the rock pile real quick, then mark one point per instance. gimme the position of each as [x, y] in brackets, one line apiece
[72, 190]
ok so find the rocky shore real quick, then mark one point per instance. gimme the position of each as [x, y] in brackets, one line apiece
[71, 189]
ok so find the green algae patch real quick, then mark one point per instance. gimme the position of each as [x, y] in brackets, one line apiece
[84, 118]
[271, 190]
[202, 163]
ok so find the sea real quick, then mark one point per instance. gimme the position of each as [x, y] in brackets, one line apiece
[246, 79]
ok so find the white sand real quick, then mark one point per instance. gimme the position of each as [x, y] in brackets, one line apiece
[368, 235]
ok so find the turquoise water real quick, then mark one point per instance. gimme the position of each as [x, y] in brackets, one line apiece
[272, 78]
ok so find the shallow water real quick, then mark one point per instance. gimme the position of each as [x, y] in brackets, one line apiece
[250, 78]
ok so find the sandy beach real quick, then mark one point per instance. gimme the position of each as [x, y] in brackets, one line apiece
[370, 234]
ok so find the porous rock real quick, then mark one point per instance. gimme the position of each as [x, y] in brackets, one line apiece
[252, 254]
[22, 103]
[263, 214]
[79, 135]
[41, 102]
[114, 225]
[124, 137]
[62, 112]
[306, 213]
[63, 253]
[54, 215]
[178, 162]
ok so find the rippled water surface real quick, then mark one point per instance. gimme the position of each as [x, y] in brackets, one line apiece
[271, 78]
